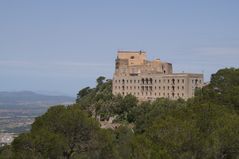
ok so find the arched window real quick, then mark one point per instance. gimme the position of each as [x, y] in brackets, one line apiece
[151, 81]
[173, 88]
[196, 81]
[142, 87]
[142, 80]
[173, 80]
[150, 88]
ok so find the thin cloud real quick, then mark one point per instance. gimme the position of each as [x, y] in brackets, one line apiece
[55, 67]
[80, 64]
[21, 63]
[217, 51]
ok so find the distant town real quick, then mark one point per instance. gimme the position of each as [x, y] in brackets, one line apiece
[18, 111]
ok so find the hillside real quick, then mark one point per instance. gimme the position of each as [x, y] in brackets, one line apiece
[203, 127]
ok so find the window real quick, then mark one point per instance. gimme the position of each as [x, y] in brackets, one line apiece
[142, 88]
[132, 57]
[196, 81]
[150, 88]
[182, 80]
[173, 80]
[151, 80]
[142, 80]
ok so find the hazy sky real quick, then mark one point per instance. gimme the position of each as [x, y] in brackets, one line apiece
[64, 45]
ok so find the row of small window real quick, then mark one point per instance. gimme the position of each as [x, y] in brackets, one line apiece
[149, 87]
[159, 88]
[127, 81]
[196, 81]
[150, 81]
[156, 94]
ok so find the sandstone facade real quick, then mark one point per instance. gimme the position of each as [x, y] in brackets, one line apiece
[148, 80]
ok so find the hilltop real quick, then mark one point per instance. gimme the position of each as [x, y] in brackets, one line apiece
[205, 126]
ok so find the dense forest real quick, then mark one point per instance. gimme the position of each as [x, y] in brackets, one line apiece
[203, 127]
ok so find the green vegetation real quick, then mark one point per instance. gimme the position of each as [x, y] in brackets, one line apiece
[204, 127]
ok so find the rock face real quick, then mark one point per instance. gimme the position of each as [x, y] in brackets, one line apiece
[6, 138]
[108, 124]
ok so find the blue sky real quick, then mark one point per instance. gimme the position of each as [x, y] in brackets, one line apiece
[63, 46]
